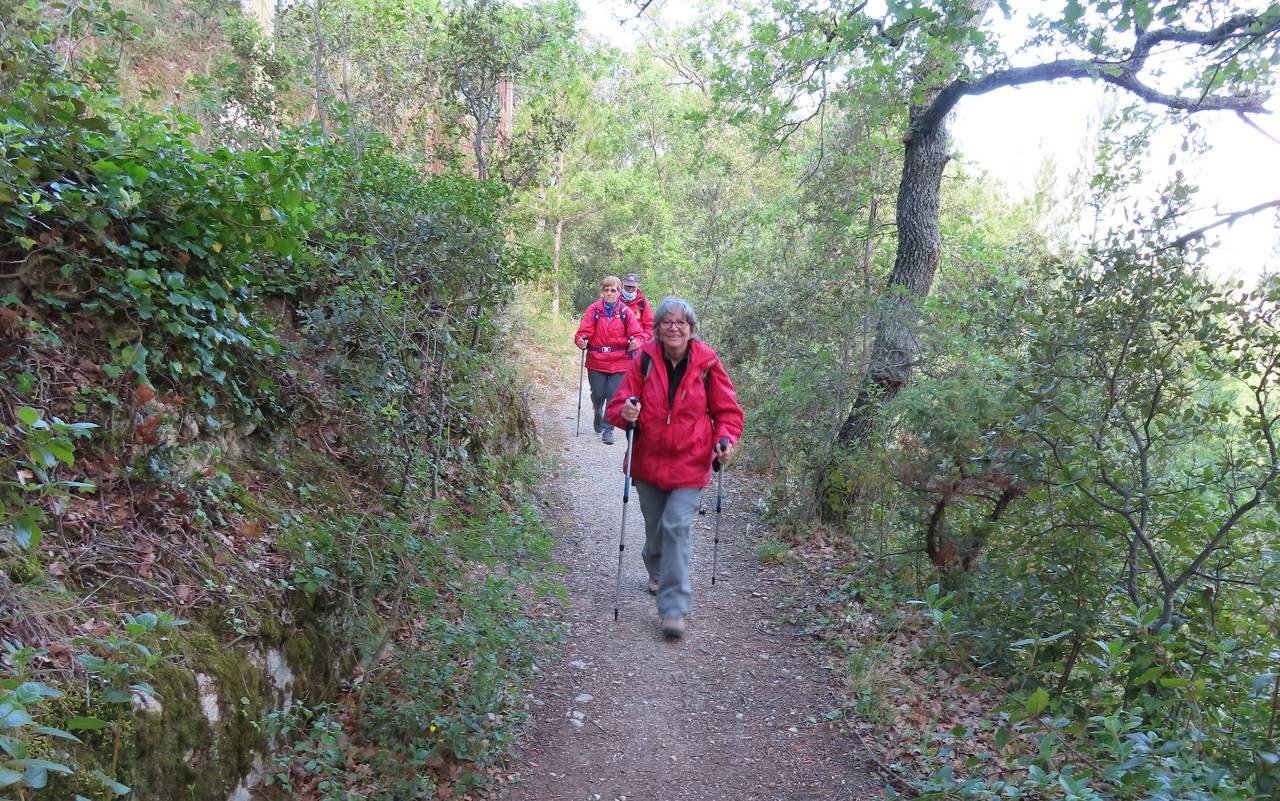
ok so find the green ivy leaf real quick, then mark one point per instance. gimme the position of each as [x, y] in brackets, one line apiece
[1003, 737]
[49, 731]
[109, 783]
[45, 764]
[1037, 702]
[26, 532]
[11, 717]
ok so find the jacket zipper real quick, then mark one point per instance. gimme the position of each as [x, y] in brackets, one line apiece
[681, 396]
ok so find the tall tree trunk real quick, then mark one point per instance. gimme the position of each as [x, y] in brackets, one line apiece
[324, 126]
[555, 268]
[869, 246]
[482, 167]
[897, 346]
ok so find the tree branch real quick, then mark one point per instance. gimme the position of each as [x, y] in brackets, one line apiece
[1255, 126]
[1233, 27]
[1227, 219]
[1122, 73]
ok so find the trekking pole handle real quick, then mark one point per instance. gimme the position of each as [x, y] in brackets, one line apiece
[715, 465]
[636, 401]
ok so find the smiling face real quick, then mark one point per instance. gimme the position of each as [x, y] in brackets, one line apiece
[674, 331]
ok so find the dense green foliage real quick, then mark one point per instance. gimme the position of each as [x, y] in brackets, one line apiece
[185, 301]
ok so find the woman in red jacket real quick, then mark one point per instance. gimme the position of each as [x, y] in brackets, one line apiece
[609, 332]
[687, 415]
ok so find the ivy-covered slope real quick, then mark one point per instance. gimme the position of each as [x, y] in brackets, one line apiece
[262, 470]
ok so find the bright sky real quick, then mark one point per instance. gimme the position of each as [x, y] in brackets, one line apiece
[1008, 134]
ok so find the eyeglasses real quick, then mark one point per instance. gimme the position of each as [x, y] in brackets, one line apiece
[674, 323]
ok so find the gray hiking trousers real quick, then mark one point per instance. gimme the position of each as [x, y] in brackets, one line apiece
[668, 544]
[603, 387]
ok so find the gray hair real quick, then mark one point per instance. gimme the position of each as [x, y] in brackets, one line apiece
[671, 304]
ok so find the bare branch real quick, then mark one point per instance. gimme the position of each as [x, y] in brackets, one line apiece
[1226, 219]
[1123, 73]
[1233, 28]
[1255, 126]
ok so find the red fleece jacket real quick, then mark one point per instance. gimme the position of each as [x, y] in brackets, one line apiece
[672, 446]
[605, 331]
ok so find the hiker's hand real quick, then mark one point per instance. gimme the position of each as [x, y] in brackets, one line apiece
[723, 451]
[630, 411]
[633, 344]
[582, 343]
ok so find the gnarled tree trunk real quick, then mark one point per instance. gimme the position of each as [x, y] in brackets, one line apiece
[896, 346]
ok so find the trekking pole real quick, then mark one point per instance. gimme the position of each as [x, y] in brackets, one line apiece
[715, 550]
[626, 496]
[582, 365]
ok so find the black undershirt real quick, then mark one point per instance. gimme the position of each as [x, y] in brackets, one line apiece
[674, 375]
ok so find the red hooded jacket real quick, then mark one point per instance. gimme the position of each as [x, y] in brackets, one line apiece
[608, 336]
[644, 313]
[673, 442]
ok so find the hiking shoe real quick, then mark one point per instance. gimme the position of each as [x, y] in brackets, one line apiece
[607, 436]
[673, 628]
[653, 587]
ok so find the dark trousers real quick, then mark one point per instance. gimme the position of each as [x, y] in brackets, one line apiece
[603, 385]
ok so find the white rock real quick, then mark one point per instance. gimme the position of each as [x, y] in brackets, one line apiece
[584, 698]
[578, 663]
[208, 691]
[146, 703]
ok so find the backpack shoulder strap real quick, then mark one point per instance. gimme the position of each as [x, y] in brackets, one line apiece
[646, 364]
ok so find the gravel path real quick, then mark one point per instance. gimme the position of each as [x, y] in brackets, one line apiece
[732, 711]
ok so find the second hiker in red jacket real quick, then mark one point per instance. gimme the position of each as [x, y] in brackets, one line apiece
[687, 415]
[609, 332]
[638, 303]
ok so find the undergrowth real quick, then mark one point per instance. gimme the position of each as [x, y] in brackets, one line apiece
[263, 390]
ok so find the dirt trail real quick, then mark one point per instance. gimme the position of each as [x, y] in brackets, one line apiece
[727, 713]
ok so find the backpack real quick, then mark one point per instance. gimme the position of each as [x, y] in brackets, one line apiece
[622, 313]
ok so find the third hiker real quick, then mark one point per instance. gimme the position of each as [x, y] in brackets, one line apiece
[638, 303]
